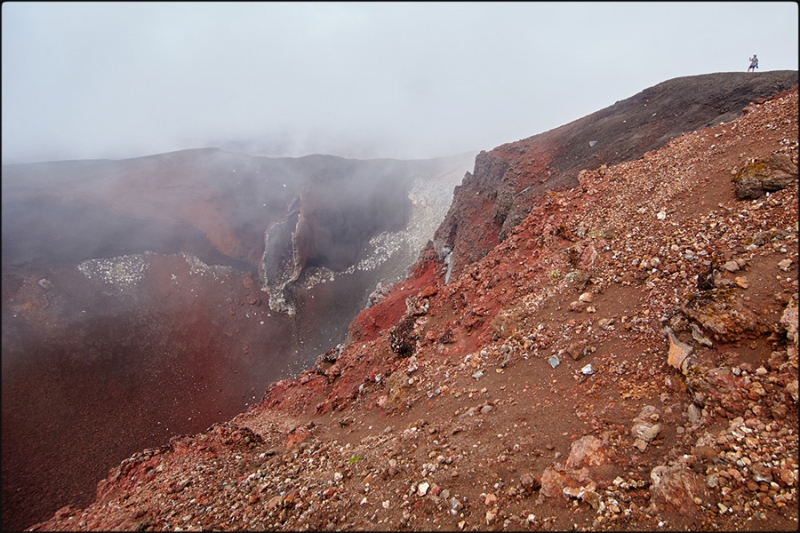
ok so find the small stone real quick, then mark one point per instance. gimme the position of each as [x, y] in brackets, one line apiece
[490, 516]
[553, 361]
[592, 498]
[645, 431]
[577, 306]
[490, 500]
[605, 323]
[695, 413]
[478, 374]
[586, 297]
[741, 281]
[577, 350]
[455, 504]
[530, 482]
[640, 445]
[757, 390]
[731, 266]
[678, 351]
[791, 388]
[422, 488]
[697, 334]
[587, 370]
[785, 265]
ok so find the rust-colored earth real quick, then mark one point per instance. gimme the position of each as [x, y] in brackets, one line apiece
[478, 427]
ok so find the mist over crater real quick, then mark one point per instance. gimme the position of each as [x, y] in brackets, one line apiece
[139, 295]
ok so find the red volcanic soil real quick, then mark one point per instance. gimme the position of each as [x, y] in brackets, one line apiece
[173, 368]
[373, 320]
[538, 389]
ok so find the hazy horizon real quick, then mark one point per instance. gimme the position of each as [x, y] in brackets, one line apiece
[361, 80]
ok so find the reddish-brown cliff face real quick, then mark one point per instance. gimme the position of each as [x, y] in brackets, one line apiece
[509, 180]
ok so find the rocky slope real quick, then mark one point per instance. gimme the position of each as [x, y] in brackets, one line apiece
[622, 357]
[133, 301]
[508, 181]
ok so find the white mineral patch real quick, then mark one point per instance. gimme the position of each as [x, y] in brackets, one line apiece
[123, 272]
[383, 246]
[198, 267]
[430, 201]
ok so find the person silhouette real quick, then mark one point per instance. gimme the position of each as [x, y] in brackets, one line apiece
[753, 64]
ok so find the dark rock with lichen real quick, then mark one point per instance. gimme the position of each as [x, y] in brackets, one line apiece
[772, 173]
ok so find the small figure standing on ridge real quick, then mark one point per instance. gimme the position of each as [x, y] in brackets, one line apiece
[753, 64]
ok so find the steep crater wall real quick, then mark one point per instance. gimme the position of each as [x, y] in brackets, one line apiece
[508, 180]
[133, 307]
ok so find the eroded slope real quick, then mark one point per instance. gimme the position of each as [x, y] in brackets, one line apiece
[536, 390]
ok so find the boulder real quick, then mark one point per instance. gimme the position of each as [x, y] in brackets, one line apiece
[397, 388]
[715, 386]
[676, 487]
[772, 173]
[586, 451]
[721, 313]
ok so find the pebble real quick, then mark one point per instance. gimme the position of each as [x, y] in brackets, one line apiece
[422, 488]
[731, 266]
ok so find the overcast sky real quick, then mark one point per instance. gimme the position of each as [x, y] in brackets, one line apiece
[400, 80]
